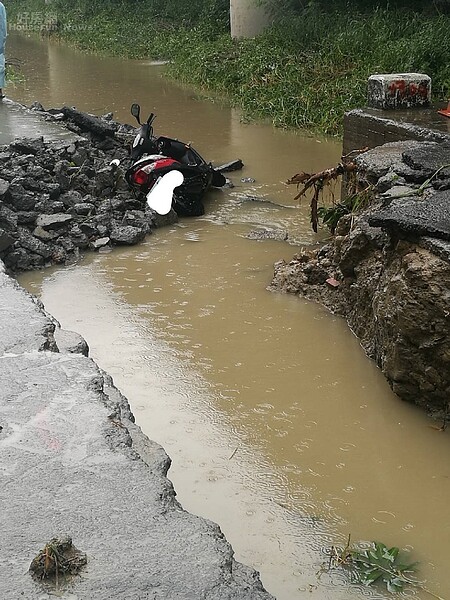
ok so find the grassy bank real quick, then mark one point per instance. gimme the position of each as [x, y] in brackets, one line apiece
[304, 72]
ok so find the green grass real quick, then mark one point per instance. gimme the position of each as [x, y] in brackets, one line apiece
[304, 72]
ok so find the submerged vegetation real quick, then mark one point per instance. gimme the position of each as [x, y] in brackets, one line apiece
[304, 71]
[376, 563]
[13, 72]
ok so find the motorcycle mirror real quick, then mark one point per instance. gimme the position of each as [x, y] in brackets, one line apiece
[136, 111]
[150, 120]
[160, 196]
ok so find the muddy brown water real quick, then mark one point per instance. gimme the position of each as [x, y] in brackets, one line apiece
[279, 427]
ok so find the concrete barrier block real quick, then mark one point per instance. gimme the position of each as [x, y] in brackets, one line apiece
[399, 90]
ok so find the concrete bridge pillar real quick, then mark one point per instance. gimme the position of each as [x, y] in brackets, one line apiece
[248, 18]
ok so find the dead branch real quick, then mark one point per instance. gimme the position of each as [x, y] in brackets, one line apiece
[319, 180]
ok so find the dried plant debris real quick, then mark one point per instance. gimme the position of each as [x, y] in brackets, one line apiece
[317, 181]
[59, 558]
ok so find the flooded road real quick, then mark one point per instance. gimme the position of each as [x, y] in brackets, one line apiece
[279, 427]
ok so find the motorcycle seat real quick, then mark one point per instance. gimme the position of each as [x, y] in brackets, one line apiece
[177, 150]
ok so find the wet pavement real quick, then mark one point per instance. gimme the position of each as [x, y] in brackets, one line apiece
[423, 118]
[18, 121]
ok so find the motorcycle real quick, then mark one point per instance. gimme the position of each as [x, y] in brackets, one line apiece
[155, 159]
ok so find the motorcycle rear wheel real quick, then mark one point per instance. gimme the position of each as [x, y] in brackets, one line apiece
[187, 207]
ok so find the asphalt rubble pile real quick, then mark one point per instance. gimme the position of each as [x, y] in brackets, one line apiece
[61, 197]
[87, 508]
[387, 270]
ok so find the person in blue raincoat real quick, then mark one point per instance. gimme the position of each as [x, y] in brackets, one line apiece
[3, 34]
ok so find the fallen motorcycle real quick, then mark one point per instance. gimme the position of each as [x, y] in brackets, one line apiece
[154, 157]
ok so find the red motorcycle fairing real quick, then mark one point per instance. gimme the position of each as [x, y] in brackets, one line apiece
[144, 171]
[147, 171]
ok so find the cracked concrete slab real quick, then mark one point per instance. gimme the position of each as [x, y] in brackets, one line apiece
[74, 463]
[25, 325]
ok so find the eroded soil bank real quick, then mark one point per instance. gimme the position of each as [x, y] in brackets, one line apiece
[387, 270]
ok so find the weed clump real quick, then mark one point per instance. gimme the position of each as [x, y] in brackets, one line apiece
[59, 558]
